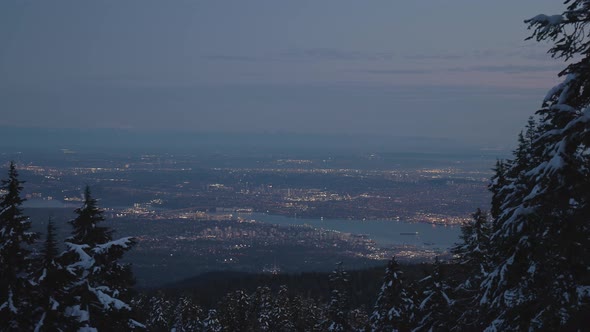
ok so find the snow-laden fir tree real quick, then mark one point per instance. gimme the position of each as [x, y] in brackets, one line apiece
[15, 262]
[497, 182]
[187, 315]
[394, 309]
[51, 280]
[471, 258]
[211, 322]
[157, 312]
[234, 312]
[435, 306]
[306, 314]
[541, 275]
[282, 312]
[98, 297]
[509, 174]
[263, 306]
[337, 311]
[358, 319]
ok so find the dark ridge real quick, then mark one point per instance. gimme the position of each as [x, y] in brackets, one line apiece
[208, 288]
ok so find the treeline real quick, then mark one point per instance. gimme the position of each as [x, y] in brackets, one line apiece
[261, 310]
[306, 302]
[206, 289]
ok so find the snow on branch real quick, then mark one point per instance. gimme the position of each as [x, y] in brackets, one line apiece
[136, 324]
[85, 261]
[106, 300]
[75, 311]
[559, 89]
[124, 243]
[546, 20]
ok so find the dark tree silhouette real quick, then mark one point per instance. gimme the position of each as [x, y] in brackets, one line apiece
[15, 262]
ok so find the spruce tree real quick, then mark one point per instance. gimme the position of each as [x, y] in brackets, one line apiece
[472, 260]
[306, 314]
[235, 312]
[159, 312]
[472, 254]
[187, 315]
[497, 182]
[358, 319]
[86, 229]
[282, 312]
[99, 296]
[434, 310]
[211, 322]
[338, 307]
[541, 279]
[15, 261]
[263, 305]
[51, 279]
[394, 309]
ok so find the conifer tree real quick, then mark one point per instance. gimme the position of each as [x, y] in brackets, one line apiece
[51, 279]
[358, 319]
[187, 315]
[472, 258]
[263, 306]
[339, 303]
[282, 312]
[50, 249]
[473, 252]
[159, 311]
[497, 182]
[307, 315]
[86, 229]
[394, 309]
[541, 279]
[99, 296]
[434, 310]
[235, 312]
[15, 261]
[211, 322]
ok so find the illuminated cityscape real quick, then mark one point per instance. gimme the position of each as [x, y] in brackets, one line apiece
[216, 212]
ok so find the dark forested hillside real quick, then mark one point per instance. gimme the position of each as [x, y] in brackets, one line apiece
[206, 288]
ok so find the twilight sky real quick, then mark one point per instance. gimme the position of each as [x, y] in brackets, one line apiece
[458, 68]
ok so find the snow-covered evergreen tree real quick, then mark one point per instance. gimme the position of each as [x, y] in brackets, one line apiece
[306, 314]
[51, 280]
[282, 311]
[263, 306]
[472, 258]
[497, 182]
[15, 261]
[541, 277]
[211, 322]
[472, 253]
[187, 315]
[98, 297]
[434, 310]
[158, 312]
[338, 307]
[234, 312]
[358, 319]
[394, 309]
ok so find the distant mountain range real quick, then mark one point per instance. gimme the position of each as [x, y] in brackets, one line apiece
[12, 138]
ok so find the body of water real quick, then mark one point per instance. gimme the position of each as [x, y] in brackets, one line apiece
[384, 233]
[44, 204]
